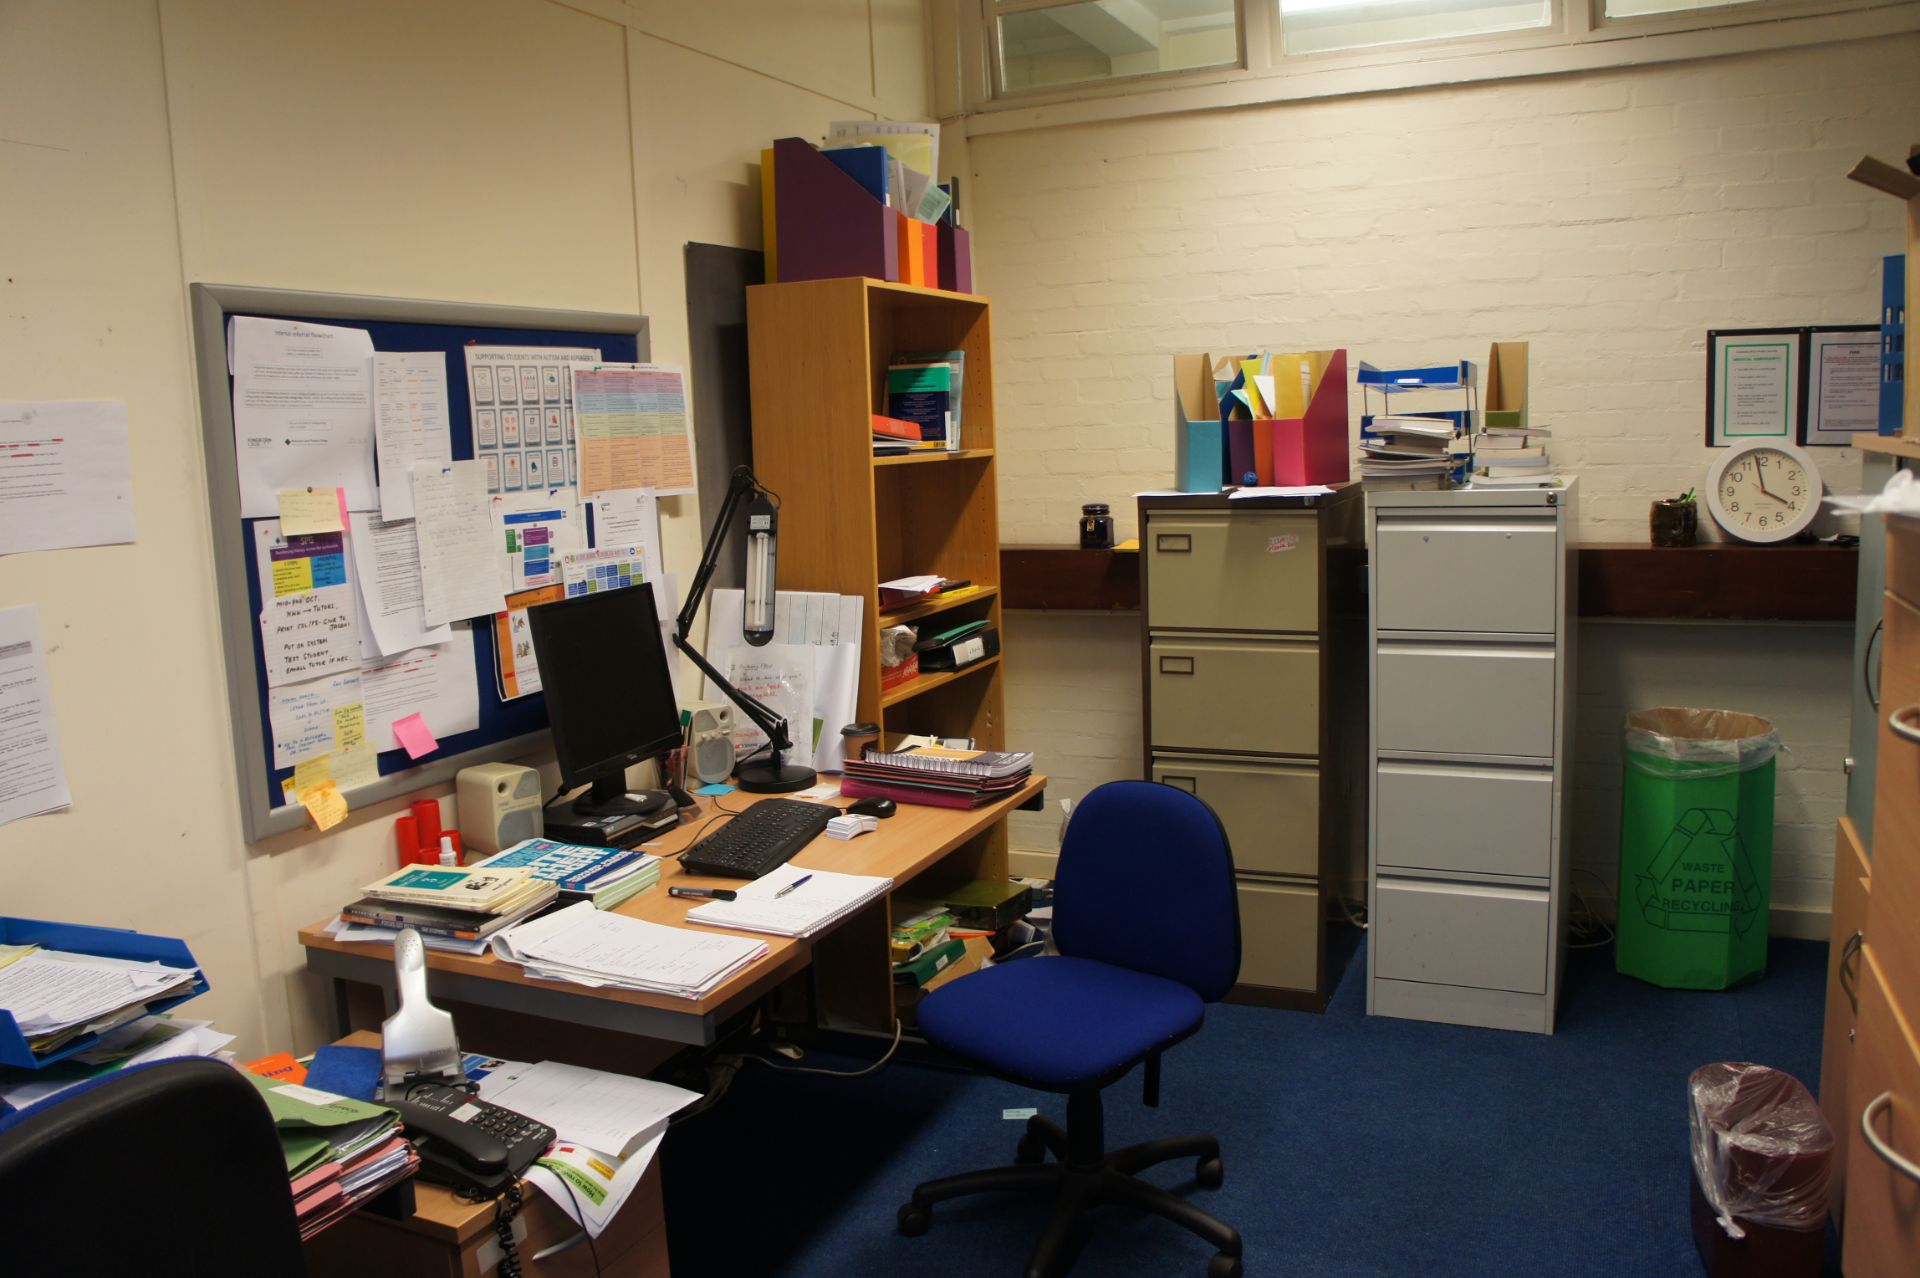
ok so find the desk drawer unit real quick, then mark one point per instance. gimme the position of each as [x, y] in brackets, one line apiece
[1271, 811]
[1471, 661]
[1228, 570]
[1882, 1234]
[1248, 696]
[1279, 935]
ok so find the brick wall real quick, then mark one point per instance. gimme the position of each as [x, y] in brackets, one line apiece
[1609, 218]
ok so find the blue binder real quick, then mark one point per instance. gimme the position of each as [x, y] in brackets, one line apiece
[107, 942]
[1893, 341]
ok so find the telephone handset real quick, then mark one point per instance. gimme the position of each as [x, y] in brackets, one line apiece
[467, 1143]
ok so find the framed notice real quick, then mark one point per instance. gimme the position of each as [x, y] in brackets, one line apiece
[1843, 384]
[1754, 384]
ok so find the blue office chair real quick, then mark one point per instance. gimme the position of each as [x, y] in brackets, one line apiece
[1148, 930]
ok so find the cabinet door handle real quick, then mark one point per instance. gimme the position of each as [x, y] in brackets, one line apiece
[1189, 784]
[1174, 543]
[1888, 1154]
[1866, 665]
[1898, 721]
[1176, 665]
[1850, 954]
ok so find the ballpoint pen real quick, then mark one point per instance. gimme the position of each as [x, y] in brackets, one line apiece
[716, 894]
[791, 886]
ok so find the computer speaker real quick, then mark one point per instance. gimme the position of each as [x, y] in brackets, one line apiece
[711, 735]
[499, 804]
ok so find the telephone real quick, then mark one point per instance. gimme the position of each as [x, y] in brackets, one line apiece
[467, 1143]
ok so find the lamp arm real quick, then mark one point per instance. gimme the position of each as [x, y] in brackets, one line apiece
[774, 725]
[742, 486]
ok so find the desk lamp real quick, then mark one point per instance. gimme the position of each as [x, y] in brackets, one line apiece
[775, 775]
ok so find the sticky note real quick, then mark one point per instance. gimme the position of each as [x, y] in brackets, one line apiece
[311, 510]
[715, 788]
[414, 736]
[355, 768]
[349, 727]
[309, 773]
[325, 805]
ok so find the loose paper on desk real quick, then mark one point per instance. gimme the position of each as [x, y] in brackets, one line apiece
[632, 423]
[302, 410]
[65, 475]
[630, 517]
[409, 422]
[319, 716]
[438, 682]
[32, 777]
[522, 420]
[386, 562]
[591, 1185]
[1294, 490]
[598, 1109]
[462, 573]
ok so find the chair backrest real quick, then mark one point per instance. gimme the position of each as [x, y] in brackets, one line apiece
[1145, 881]
[179, 1158]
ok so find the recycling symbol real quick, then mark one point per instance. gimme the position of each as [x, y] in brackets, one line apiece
[1700, 880]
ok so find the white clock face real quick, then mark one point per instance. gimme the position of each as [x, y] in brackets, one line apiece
[1764, 492]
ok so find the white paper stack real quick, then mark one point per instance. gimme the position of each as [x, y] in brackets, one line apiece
[151, 1038]
[592, 947]
[822, 899]
[55, 996]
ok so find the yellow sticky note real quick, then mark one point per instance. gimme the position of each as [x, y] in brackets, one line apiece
[309, 773]
[291, 576]
[349, 727]
[325, 805]
[310, 510]
[355, 768]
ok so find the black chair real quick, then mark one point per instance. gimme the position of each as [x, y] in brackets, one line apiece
[1148, 932]
[166, 1169]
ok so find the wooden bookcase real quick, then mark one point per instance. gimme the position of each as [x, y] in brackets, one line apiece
[818, 354]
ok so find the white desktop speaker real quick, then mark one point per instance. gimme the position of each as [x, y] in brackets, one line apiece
[499, 805]
[710, 731]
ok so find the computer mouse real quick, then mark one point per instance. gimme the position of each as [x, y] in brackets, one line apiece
[881, 808]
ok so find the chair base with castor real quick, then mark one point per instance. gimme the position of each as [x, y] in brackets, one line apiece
[1085, 1176]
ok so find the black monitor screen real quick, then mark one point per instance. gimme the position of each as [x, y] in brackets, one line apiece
[603, 666]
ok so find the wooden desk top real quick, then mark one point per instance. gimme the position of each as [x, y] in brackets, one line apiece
[909, 842]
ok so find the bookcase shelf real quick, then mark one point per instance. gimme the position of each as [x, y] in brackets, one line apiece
[928, 682]
[909, 613]
[934, 458]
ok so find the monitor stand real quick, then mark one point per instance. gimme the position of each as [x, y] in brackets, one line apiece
[608, 815]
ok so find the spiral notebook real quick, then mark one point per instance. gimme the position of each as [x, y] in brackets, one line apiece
[821, 899]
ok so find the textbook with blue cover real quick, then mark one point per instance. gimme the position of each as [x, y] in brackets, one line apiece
[605, 876]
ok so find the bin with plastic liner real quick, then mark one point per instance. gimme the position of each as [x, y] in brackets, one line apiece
[1762, 1158]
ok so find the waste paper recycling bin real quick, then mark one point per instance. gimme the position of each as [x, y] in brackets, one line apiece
[1762, 1158]
[1696, 847]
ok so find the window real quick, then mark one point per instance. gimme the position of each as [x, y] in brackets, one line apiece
[1321, 26]
[1043, 45]
[1644, 8]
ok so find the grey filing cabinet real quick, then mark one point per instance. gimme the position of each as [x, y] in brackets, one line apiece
[1471, 597]
[1254, 652]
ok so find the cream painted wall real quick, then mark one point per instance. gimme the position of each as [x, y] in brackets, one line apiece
[520, 152]
[1609, 217]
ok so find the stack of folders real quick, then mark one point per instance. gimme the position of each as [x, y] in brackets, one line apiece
[55, 996]
[1410, 451]
[151, 1038]
[592, 947]
[792, 901]
[1512, 457]
[452, 908]
[340, 1151]
[937, 776]
[603, 876]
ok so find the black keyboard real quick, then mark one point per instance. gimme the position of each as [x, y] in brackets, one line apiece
[760, 839]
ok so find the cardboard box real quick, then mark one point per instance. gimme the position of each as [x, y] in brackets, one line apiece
[1199, 442]
[1506, 396]
[1902, 185]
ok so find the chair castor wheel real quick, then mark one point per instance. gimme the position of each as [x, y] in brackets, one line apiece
[1209, 1173]
[913, 1220]
[1031, 1149]
[1224, 1266]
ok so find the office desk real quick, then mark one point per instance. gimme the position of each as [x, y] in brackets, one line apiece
[850, 961]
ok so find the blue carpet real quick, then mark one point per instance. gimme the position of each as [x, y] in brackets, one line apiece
[1353, 1145]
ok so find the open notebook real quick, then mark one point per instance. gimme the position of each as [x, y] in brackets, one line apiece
[822, 900]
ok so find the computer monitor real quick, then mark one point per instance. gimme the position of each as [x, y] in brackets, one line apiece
[603, 666]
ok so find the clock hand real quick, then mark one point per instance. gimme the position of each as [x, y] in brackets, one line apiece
[1759, 475]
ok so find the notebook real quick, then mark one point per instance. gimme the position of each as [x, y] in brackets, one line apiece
[822, 899]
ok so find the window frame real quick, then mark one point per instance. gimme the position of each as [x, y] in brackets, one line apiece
[994, 10]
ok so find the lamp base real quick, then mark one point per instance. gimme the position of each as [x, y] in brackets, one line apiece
[774, 778]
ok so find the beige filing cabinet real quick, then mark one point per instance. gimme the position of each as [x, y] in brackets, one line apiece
[1472, 605]
[1254, 648]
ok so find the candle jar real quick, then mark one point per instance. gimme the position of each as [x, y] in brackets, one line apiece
[1096, 526]
[1674, 523]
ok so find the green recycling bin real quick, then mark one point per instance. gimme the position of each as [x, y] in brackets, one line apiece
[1696, 847]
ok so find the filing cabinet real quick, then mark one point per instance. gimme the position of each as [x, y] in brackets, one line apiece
[1472, 607]
[1253, 648]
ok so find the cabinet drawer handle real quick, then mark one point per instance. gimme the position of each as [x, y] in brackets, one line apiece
[1888, 1154]
[1174, 543]
[1866, 665]
[1189, 784]
[1850, 954]
[1176, 665]
[1898, 721]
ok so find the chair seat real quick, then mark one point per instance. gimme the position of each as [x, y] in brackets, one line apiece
[1059, 1024]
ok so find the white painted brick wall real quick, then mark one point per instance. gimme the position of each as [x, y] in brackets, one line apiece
[1610, 219]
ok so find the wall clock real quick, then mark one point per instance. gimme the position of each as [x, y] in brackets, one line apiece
[1763, 491]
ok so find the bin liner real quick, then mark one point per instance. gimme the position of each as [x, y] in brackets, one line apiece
[1696, 846]
[1762, 1150]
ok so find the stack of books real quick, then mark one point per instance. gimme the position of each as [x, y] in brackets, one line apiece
[922, 945]
[340, 1152]
[452, 908]
[603, 876]
[1409, 451]
[937, 776]
[893, 435]
[1512, 457]
[923, 388]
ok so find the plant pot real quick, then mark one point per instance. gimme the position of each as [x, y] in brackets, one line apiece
[1674, 523]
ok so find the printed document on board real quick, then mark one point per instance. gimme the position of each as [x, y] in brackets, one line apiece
[302, 411]
[32, 778]
[65, 475]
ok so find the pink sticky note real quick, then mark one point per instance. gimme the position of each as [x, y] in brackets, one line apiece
[414, 736]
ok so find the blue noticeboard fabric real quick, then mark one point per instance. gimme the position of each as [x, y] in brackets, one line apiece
[499, 720]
